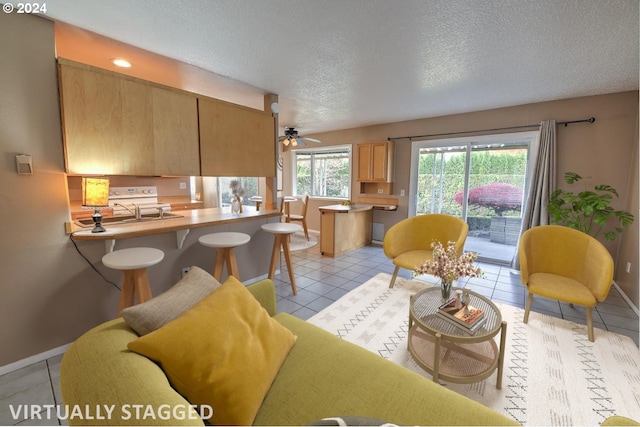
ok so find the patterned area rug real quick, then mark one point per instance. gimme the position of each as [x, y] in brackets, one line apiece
[553, 375]
[299, 242]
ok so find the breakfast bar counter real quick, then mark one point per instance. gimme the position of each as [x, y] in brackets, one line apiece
[188, 219]
[344, 228]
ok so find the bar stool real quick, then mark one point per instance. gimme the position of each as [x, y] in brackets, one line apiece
[135, 283]
[258, 200]
[224, 243]
[281, 232]
[286, 206]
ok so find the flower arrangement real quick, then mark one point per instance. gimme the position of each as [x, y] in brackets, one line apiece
[447, 265]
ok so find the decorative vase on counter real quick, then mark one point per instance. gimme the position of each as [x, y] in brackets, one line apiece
[236, 205]
[445, 288]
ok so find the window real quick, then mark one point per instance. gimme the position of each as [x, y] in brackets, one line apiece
[483, 180]
[250, 184]
[323, 172]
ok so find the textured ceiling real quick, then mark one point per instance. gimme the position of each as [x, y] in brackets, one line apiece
[339, 64]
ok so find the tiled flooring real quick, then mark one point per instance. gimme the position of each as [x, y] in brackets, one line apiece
[321, 281]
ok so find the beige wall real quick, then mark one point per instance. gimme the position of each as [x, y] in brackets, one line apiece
[628, 250]
[603, 150]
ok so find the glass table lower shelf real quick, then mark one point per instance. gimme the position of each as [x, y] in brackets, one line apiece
[450, 353]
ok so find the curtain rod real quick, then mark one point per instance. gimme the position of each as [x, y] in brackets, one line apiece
[589, 120]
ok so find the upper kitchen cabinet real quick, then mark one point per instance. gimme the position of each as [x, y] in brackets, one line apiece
[235, 140]
[119, 125]
[375, 162]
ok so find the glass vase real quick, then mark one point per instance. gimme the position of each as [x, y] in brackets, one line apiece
[445, 288]
[236, 206]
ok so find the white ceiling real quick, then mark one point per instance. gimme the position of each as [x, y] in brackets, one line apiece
[339, 64]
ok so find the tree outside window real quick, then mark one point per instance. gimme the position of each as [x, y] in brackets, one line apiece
[323, 173]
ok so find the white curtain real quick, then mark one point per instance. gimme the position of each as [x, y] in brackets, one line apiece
[543, 181]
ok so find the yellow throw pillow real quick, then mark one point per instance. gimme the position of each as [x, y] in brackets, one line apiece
[224, 352]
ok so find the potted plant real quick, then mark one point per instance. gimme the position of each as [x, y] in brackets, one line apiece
[588, 211]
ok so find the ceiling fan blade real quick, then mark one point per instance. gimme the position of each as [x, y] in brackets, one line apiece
[300, 142]
[312, 139]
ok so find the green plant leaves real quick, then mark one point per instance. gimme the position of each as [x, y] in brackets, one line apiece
[588, 211]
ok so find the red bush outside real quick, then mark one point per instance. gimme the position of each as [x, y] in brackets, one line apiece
[497, 196]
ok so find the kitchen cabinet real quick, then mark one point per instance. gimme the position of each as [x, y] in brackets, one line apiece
[344, 228]
[235, 140]
[118, 125]
[375, 161]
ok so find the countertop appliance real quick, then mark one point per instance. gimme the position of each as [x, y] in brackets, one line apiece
[124, 200]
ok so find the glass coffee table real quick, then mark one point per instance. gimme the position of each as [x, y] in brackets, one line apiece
[449, 352]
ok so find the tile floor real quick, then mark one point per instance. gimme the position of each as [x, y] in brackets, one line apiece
[321, 281]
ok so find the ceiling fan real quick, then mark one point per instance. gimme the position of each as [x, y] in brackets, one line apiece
[291, 137]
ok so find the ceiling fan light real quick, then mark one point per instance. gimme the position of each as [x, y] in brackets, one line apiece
[286, 141]
[294, 142]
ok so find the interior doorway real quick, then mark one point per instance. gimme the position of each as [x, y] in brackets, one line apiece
[483, 180]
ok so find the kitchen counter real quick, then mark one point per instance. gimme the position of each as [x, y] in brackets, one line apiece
[345, 208]
[344, 228]
[191, 219]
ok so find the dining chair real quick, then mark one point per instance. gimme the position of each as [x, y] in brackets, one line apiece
[302, 217]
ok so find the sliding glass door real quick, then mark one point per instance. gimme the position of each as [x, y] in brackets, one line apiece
[482, 180]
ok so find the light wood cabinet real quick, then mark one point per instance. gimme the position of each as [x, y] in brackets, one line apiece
[235, 140]
[344, 228]
[118, 125]
[375, 161]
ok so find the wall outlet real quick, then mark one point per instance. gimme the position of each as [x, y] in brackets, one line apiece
[628, 267]
[380, 191]
[185, 270]
[183, 185]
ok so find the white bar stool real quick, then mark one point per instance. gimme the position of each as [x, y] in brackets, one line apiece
[224, 243]
[258, 200]
[281, 232]
[135, 283]
[286, 202]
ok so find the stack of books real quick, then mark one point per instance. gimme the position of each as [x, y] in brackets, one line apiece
[467, 318]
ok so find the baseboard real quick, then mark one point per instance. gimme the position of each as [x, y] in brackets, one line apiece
[259, 278]
[626, 298]
[33, 359]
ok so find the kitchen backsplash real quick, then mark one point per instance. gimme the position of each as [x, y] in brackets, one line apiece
[167, 186]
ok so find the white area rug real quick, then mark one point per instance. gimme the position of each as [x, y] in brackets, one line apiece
[553, 375]
[299, 242]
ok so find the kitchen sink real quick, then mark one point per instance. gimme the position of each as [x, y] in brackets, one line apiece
[127, 219]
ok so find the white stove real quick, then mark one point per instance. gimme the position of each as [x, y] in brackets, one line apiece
[123, 200]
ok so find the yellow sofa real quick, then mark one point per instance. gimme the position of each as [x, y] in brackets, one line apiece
[323, 376]
[408, 242]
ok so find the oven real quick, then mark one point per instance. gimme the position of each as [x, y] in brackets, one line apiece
[123, 200]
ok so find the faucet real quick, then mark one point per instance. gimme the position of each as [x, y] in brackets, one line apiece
[135, 213]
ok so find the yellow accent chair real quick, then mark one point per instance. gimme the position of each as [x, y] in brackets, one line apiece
[408, 242]
[564, 264]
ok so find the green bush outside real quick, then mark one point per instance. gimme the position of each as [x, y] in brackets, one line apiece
[436, 195]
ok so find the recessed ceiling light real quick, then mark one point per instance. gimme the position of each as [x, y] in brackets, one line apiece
[121, 62]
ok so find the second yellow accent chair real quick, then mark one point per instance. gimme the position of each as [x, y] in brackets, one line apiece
[566, 265]
[408, 242]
